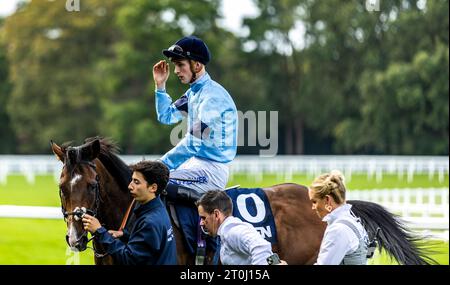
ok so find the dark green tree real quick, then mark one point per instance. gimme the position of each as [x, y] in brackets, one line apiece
[52, 55]
[404, 108]
[321, 87]
[146, 28]
[308, 77]
[7, 136]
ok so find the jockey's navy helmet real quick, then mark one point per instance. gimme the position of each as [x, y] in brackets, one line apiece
[189, 48]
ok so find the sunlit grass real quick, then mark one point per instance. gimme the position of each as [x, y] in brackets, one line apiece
[37, 241]
[440, 247]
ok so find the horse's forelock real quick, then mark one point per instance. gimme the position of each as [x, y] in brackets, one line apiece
[73, 155]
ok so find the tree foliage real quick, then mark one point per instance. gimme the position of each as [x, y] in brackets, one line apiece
[52, 55]
[343, 79]
[404, 108]
[7, 141]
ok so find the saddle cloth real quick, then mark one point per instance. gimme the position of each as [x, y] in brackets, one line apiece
[249, 204]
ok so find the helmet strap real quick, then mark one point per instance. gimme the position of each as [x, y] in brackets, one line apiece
[194, 74]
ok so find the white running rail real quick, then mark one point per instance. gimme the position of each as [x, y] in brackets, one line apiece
[256, 167]
[422, 208]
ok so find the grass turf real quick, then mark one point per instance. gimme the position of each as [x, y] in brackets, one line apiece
[36, 241]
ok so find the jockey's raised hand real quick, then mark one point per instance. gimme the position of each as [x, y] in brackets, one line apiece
[203, 154]
[161, 74]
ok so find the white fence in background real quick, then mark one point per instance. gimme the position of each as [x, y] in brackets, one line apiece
[372, 166]
[31, 212]
[256, 167]
[422, 208]
[425, 209]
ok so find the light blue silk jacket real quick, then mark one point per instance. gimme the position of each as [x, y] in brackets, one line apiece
[212, 122]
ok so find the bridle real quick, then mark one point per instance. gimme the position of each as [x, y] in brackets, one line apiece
[79, 212]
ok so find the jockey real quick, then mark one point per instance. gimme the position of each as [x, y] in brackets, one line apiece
[199, 162]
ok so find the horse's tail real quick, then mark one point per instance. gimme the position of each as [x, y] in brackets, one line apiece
[399, 242]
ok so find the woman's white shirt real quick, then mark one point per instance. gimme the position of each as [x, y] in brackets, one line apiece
[339, 239]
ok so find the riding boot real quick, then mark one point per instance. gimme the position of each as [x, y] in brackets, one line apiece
[180, 193]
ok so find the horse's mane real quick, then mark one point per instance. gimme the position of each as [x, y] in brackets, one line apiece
[110, 159]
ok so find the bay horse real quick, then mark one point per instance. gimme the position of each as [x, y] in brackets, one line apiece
[95, 180]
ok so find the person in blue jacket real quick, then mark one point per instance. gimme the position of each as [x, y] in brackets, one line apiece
[151, 240]
[210, 143]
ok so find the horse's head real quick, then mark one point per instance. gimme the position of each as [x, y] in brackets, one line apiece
[79, 188]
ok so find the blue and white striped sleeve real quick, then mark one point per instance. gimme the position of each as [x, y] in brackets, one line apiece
[169, 113]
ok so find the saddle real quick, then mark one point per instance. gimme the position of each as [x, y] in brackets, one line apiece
[185, 217]
[172, 210]
[249, 204]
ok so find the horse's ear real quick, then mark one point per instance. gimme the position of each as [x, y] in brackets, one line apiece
[90, 151]
[59, 153]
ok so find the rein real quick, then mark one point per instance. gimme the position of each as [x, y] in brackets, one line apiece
[127, 214]
[122, 226]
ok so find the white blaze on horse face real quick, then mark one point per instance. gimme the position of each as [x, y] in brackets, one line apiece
[72, 234]
[75, 180]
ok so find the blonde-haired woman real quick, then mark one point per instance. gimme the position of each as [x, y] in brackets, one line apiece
[345, 239]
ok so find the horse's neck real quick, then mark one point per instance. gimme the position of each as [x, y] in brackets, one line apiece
[114, 201]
